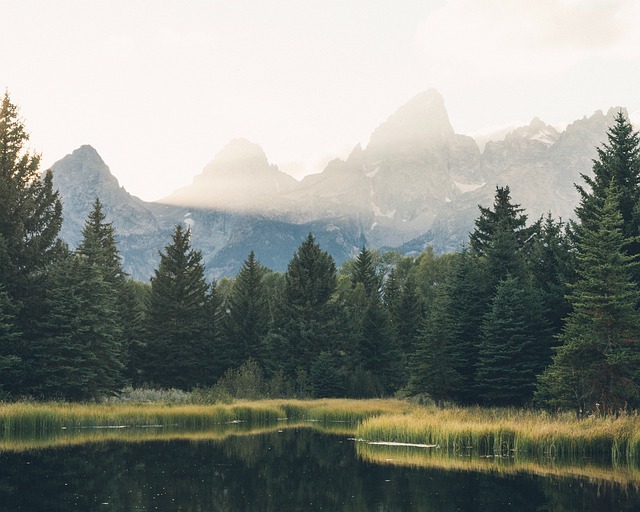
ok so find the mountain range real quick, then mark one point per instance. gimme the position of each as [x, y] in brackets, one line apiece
[416, 184]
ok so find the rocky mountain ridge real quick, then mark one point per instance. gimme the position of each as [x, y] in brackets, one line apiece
[416, 183]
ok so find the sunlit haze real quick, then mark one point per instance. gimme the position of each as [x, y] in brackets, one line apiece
[160, 87]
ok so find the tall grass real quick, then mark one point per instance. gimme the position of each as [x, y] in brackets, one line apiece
[507, 431]
[35, 418]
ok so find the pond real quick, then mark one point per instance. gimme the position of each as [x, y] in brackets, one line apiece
[287, 468]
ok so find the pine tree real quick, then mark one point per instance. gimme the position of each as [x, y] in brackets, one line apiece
[618, 162]
[436, 360]
[468, 292]
[179, 352]
[364, 271]
[78, 353]
[552, 267]
[30, 213]
[502, 237]
[247, 318]
[505, 217]
[98, 245]
[514, 338]
[596, 366]
[309, 309]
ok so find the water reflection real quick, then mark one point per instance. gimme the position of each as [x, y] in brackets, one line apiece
[285, 469]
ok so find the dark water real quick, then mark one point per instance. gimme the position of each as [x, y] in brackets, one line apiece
[297, 469]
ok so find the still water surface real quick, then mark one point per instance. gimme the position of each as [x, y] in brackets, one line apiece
[283, 470]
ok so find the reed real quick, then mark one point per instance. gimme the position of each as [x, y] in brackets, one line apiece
[508, 431]
[35, 418]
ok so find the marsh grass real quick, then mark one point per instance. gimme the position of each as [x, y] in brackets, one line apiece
[509, 431]
[455, 430]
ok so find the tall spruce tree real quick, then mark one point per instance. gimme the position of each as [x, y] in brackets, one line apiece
[502, 237]
[78, 353]
[308, 314]
[179, 352]
[618, 162]
[30, 212]
[247, 316]
[436, 360]
[596, 366]
[30, 220]
[514, 345]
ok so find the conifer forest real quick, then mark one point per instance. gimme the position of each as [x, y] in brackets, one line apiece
[529, 312]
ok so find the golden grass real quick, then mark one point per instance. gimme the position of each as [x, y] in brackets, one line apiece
[454, 429]
[489, 431]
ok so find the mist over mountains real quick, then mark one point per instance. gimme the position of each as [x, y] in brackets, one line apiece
[416, 183]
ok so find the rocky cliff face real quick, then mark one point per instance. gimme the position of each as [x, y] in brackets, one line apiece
[416, 183]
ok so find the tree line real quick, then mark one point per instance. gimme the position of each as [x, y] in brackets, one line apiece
[543, 312]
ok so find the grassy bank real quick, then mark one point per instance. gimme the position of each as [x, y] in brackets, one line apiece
[454, 430]
[36, 418]
[509, 431]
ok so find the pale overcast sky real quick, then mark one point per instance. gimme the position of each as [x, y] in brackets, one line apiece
[159, 87]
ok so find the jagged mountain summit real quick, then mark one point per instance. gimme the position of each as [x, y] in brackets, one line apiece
[416, 183]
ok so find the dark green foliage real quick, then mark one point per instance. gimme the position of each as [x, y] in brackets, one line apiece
[552, 268]
[247, 316]
[180, 353]
[135, 299]
[326, 377]
[309, 310]
[618, 163]
[379, 353]
[505, 217]
[9, 340]
[364, 271]
[468, 297]
[78, 354]
[436, 361]
[514, 346]
[30, 211]
[596, 367]
[99, 247]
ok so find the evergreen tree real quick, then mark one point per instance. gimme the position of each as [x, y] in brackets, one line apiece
[30, 213]
[596, 366]
[552, 267]
[468, 297]
[618, 162]
[247, 318]
[364, 271]
[78, 353]
[30, 219]
[179, 351]
[502, 237]
[379, 353]
[505, 216]
[515, 340]
[308, 314]
[98, 246]
[436, 361]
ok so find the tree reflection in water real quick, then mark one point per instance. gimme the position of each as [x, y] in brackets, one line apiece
[288, 470]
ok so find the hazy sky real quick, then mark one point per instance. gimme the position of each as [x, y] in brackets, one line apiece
[159, 87]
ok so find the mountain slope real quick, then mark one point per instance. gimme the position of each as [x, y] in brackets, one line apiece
[416, 183]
